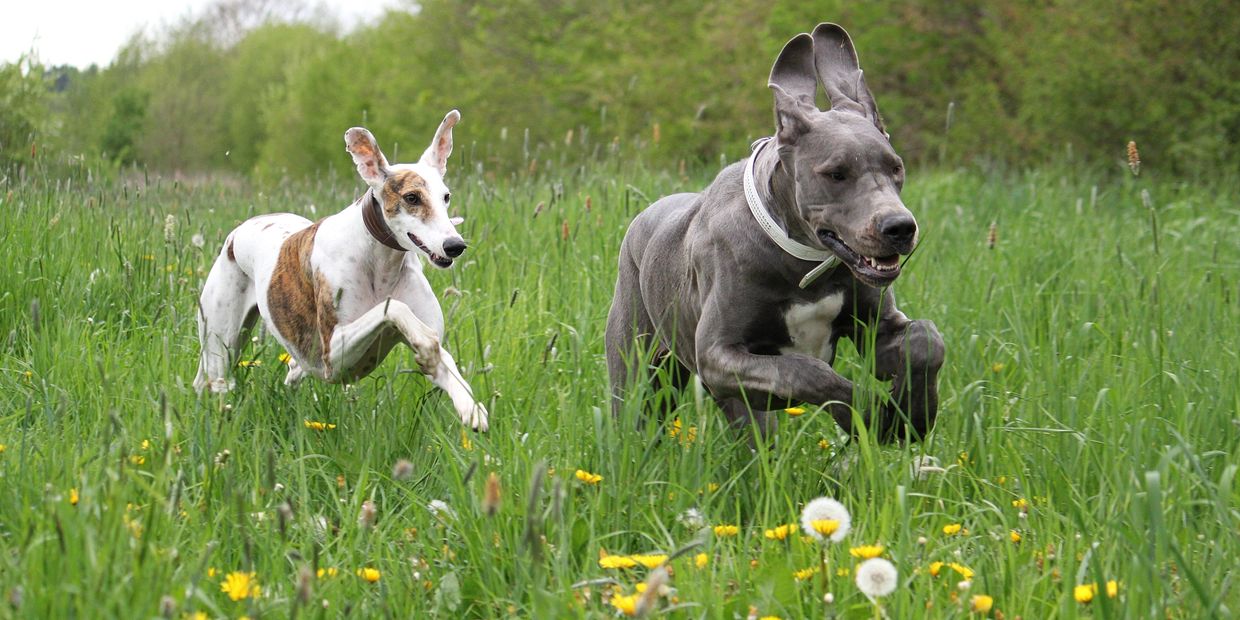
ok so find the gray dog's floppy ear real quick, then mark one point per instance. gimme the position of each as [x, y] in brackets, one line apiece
[792, 82]
[371, 164]
[436, 155]
[835, 60]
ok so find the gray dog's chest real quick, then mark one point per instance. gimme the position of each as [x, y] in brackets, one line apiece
[809, 325]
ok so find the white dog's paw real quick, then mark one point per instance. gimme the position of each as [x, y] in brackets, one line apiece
[474, 415]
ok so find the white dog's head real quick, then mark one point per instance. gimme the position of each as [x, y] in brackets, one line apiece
[413, 197]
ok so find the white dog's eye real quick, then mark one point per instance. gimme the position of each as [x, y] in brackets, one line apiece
[447, 198]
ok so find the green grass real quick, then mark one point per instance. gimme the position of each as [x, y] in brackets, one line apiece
[1093, 370]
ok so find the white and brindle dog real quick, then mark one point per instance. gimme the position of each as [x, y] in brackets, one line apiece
[341, 292]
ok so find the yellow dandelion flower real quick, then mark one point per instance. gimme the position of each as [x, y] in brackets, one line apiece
[935, 568]
[146, 444]
[794, 411]
[238, 585]
[825, 527]
[616, 561]
[1112, 589]
[649, 561]
[997, 367]
[466, 442]
[866, 552]
[1084, 593]
[951, 529]
[137, 459]
[1014, 536]
[319, 426]
[588, 477]
[805, 573]
[198, 615]
[3, 448]
[963, 570]
[371, 575]
[843, 571]
[781, 532]
[769, 618]
[327, 572]
[626, 604]
[73, 497]
[249, 363]
[825, 444]
[285, 359]
[701, 560]
[981, 603]
[725, 531]
[1020, 504]
[211, 573]
[711, 487]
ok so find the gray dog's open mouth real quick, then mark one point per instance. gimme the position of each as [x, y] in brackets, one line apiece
[443, 262]
[873, 270]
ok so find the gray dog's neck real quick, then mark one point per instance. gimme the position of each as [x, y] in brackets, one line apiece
[777, 189]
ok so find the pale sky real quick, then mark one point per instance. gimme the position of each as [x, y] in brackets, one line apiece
[81, 32]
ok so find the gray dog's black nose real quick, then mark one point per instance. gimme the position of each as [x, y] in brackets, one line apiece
[899, 229]
[454, 247]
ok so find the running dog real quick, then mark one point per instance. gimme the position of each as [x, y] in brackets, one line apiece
[341, 292]
[751, 283]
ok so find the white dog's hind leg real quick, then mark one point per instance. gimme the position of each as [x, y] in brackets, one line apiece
[295, 373]
[226, 309]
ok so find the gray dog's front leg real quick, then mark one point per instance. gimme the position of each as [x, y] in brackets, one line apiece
[774, 381]
[910, 353]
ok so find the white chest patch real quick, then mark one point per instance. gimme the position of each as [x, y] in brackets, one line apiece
[809, 325]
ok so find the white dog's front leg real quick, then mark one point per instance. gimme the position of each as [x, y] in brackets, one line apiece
[448, 378]
[351, 341]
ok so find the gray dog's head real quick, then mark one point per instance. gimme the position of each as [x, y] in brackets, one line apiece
[847, 176]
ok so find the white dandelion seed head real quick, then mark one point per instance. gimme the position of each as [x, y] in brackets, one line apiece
[692, 519]
[877, 577]
[825, 508]
[964, 585]
[198, 240]
[441, 509]
[828, 598]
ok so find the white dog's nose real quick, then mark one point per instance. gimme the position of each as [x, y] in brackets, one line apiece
[453, 246]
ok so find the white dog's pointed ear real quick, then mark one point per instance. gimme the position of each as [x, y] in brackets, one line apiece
[436, 155]
[456, 221]
[371, 164]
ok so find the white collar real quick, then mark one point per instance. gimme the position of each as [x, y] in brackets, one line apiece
[777, 234]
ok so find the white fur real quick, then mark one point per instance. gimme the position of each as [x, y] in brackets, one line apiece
[809, 325]
[382, 297]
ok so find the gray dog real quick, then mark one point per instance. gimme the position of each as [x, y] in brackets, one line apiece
[751, 283]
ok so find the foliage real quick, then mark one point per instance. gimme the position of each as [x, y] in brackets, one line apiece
[23, 111]
[259, 87]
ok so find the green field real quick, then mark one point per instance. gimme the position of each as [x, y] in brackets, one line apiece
[1092, 377]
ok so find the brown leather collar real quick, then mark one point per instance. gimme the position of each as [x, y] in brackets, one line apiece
[376, 224]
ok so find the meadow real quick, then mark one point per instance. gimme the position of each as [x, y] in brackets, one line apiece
[1088, 430]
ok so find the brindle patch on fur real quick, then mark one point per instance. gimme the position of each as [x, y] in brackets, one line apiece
[301, 305]
[401, 184]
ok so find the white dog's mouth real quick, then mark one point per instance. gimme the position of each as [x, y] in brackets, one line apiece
[877, 271]
[443, 262]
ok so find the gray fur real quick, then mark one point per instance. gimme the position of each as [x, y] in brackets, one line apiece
[703, 290]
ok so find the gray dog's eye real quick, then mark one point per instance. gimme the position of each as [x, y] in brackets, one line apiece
[837, 175]
[413, 199]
